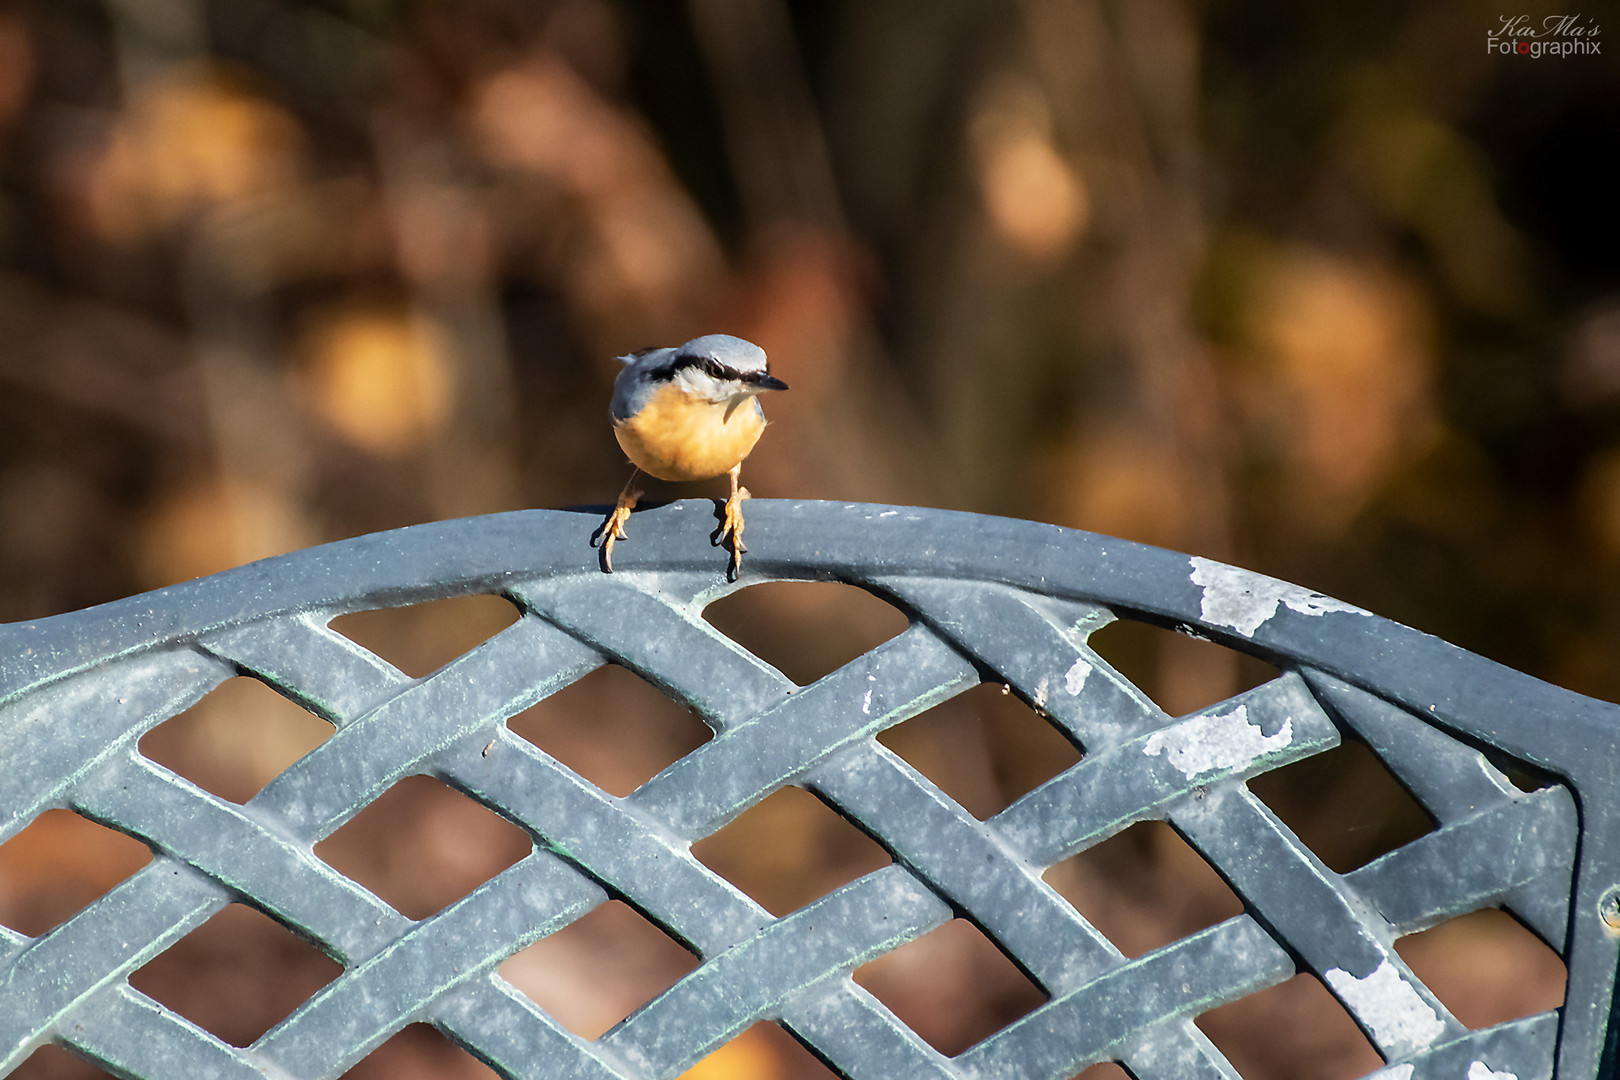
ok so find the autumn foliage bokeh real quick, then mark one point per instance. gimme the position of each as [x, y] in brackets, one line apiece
[1326, 292]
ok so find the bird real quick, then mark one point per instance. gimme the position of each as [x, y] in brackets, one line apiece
[689, 412]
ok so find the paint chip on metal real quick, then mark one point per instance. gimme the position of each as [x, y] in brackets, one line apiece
[1074, 680]
[1216, 741]
[1243, 600]
[1388, 1005]
[1481, 1071]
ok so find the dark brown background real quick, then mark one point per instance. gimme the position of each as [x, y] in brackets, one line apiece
[1327, 293]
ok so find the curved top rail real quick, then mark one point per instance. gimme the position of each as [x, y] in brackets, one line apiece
[1559, 730]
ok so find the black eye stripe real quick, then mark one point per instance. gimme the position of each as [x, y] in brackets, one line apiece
[709, 366]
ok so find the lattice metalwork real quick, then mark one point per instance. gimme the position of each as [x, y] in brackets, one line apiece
[989, 600]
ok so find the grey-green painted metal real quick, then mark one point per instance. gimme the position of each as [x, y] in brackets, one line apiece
[990, 599]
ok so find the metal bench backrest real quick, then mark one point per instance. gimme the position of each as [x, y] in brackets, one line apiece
[990, 600]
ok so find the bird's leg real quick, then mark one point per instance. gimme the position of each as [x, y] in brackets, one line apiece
[613, 528]
[732, 525]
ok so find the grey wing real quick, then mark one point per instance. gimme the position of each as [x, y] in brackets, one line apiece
[630, 391]
[634, 383]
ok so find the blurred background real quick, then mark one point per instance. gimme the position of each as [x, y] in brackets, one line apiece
[1329, 292]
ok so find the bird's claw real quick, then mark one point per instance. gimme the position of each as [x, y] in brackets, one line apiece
[731, 529]
[613, 528]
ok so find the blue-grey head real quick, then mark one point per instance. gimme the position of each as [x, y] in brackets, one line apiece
[716, 367]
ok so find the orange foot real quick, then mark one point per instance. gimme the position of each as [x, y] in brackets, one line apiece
[731, 527]
[613, 528]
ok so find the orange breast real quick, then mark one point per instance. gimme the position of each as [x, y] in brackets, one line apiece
[675, 437]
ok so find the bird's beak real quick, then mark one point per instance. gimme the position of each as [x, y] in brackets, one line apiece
[769, 382]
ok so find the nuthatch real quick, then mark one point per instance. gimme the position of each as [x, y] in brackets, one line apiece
[689, 413]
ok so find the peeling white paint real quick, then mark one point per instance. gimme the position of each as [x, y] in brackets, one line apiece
[1389, 1005]
[1040, 692]
[866, 701]
[1481, 1071]
[1216, 741]
[1243, 600]
[1393, 1072]
[1074, 680]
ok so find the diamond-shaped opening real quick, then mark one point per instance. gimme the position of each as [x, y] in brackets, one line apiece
[422, 638]
[236, 739]
[599, 968]
[1486, 968]
[613, 728]
[762, 1052]
[984, 748]
[952, 986]
[1344, 804]
[1295, 1030]
[1144, 888]
[237, 975]
[421, 846]
[806, 629]
[52, 1062]
[1180, 673]
[419, 1050]
[57, 865]
[790, 849]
